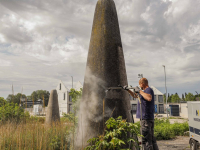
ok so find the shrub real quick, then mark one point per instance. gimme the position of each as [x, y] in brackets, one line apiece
[163, 130]
[12, 112]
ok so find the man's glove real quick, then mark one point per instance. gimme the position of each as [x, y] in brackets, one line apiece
[137, 89]
[125, 87]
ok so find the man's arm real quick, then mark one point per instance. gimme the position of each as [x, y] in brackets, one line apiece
[146, 96]
[134, 95]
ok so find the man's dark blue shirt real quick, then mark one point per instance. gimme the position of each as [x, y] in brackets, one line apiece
[147, 106]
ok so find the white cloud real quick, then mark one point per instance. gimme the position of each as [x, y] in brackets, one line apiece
[5, 63]
[42, 41]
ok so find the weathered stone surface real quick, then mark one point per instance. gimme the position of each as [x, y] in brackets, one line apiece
[105, 68]
[53, 108]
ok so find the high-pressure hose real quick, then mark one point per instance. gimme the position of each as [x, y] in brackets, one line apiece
[140, 119]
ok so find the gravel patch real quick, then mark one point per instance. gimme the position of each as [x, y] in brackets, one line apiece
[179, 143]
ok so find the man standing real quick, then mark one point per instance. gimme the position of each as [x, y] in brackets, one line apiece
[147, 122]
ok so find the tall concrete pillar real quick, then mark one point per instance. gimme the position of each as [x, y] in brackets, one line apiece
[105, 68]
[52, 114]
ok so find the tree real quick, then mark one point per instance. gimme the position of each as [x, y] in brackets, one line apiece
[34, 96]
[183, 97]
[190, 97]
[2, 101]
[170, 98]
[197, 97]
[11, 111]
[164, 98]
[15, 98]
[28, 97]
[76, 95]
[39, 94]
[175, 98]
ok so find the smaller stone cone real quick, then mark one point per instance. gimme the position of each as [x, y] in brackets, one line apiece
[53, 108]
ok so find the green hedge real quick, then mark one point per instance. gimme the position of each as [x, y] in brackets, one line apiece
[163, 130]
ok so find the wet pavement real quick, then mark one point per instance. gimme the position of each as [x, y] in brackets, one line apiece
[179, 143]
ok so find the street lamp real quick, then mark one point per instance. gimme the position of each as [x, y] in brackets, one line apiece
[165, 90]
[72, 82]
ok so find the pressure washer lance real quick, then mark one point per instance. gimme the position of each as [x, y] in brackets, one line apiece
[136, 90]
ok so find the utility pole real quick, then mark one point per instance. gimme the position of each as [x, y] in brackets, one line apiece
[43, 104]
[165, 91]
[21, 97]
[198, 96]
[72, 82]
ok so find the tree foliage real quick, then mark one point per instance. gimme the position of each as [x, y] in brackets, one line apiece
[39, 94]
[170, 98]
[190, 97]
[75, 95]
[2, 101]
[175, 98]
[15, 98]
[197, 97]
[35, 95]
[12, 111]
[183, 97]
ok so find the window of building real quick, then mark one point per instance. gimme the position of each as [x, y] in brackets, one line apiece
[64, 96]
[160, 98]
[70, 98]
[131, 98]
[155, 98]
[161, 108]
[60, 86]
[155, 109]
[70, 108]
[133, 108]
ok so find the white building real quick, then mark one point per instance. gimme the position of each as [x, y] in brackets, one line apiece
[64, 99]
[158, 98]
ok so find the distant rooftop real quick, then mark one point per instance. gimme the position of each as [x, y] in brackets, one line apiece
[156, 91]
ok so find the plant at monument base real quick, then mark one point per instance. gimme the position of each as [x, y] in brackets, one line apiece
[116, 135]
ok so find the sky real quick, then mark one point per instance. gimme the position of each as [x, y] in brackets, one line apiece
[42, 42]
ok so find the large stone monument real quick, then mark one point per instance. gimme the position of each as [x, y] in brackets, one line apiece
[105, 68]
[52, 114]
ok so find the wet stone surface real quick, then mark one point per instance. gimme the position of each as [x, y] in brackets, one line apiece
[179, 143]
